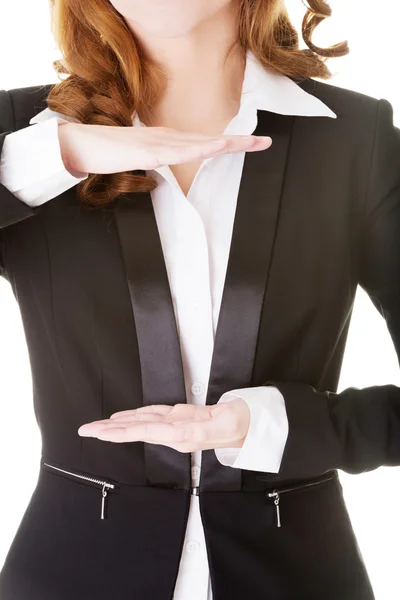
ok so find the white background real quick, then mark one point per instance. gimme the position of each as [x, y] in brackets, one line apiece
[373, 499]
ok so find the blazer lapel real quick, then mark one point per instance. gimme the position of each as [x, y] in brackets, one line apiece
[250, 255]
[249, 260]
[157, 335]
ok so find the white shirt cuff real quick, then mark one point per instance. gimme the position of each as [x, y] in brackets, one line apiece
[31, 165]
[265, 441]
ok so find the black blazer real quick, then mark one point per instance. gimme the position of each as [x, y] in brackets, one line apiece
[317, 214]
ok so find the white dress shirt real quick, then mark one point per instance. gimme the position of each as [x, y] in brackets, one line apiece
[195, 232]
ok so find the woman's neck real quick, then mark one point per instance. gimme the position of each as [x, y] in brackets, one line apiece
[204, 73]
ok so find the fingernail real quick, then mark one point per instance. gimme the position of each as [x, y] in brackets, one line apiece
[83, 432]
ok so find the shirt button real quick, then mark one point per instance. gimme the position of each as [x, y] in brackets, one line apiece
[196, 305]
[192, 547]
[198, 388]
[195, 472]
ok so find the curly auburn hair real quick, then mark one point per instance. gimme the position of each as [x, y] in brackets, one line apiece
[110, 76]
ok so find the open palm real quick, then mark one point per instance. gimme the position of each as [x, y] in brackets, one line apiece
[184, 427]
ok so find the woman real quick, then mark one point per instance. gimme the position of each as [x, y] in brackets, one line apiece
[138, 223]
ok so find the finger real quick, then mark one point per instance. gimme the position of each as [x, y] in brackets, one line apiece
[178, 155]
[138, 417]
[152, 417]
[161, 409]
[155, 433]
[229, 141]
[134, 422]
[262, 143]
[163, 413]
[252, 145]
[186, 153]
[179, 412]
[165, 135]
[94, 428]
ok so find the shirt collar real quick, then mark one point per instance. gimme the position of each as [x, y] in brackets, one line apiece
[266, 90]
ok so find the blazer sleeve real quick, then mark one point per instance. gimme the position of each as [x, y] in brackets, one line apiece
[358, 430]
[12, 209]
[27, 178]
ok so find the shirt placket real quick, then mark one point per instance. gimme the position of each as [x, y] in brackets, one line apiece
[189, 261]
[190, 278]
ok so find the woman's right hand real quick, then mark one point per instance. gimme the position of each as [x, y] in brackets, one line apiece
[108, 149]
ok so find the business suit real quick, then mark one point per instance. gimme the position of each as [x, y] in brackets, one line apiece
[330, 221]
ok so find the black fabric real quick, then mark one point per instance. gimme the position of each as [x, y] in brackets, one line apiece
[359, 429]
[313, 555]
[63, 550]
[317, 214]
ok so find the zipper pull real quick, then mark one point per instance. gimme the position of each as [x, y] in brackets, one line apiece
[275, 495]
[103, 500]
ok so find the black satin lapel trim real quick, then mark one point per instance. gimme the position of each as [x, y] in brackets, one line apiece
[157, 335]
[249, 260]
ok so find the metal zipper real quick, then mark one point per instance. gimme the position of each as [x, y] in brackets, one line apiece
[276, 495]
[105, 485]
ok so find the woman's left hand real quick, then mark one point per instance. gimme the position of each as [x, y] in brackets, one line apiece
[184, 427]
